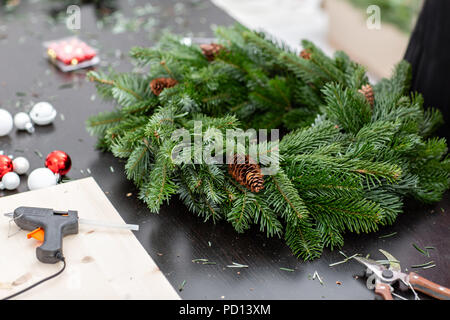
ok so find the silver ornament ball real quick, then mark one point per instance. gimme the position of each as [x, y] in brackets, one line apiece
[41, 178]
[6, 122]
[21, 165]
[22, 121]
[43, 113]
[10, 181]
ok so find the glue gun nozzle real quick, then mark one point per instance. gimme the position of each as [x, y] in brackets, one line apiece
[9, 214]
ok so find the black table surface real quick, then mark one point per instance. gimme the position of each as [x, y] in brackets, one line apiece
[174, 237]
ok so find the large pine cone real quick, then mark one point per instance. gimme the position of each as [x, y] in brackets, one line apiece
[246, 173]
[159, 84]
[211, 50]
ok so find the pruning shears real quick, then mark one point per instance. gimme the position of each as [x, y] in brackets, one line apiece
[381, 278]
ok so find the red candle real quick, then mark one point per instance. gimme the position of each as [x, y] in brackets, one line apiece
[72, 51]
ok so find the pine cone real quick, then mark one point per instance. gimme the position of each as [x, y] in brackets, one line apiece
[211, 50]
[246, 173]
[159, 84]
[367, 91]
[305, 54]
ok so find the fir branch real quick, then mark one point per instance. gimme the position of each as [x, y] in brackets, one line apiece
[93, 77]
[242, 212]
[159, 185]
[99, 124]
[267, 218]
[346, 107]
[286, 200]
[138, 163]
[304, 241]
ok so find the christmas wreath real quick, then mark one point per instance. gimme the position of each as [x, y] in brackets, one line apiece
[349, 152]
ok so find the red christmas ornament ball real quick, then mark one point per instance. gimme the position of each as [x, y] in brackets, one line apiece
[6, 165]
[58, 162]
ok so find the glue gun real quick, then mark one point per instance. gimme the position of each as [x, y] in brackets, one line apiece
[50, 226]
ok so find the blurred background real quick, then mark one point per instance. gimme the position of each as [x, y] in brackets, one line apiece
[336, 25]
[332, 24]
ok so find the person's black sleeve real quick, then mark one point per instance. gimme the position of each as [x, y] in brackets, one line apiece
[429, 54]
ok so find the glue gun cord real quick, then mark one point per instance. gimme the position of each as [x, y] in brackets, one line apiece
[40, 282]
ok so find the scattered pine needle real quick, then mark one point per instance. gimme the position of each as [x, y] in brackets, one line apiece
[343, 261]
[182, 285]
[203, 261]
[38, 153]
[425, 253]
[287, 269]
[424, 265]
[316, 275]
[388, 235]
[237, 265]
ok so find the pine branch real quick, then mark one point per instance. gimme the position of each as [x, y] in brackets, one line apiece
[242, 212]
[116, 86]
[309, 139]
[138, 164]
[285, 199]
[304, 241]
[159, 185]
[97, 125]
[353, 214]
[346, 107]
[266, 217]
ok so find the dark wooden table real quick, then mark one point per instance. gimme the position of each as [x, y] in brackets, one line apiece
[175, 236]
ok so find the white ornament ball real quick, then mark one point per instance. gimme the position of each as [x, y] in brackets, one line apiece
[10, 181]
[22, 121]
[41, 178]
[43, 113]
[6, 122]
[21, 165]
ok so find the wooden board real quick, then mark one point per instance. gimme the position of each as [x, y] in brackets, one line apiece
[102, 263]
